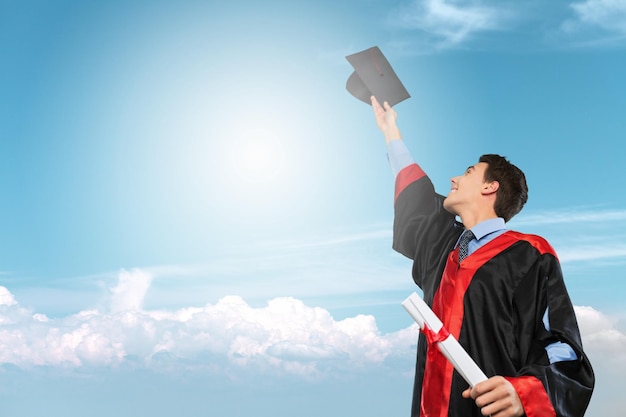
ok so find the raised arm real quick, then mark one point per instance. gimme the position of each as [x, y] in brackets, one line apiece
[419, 215]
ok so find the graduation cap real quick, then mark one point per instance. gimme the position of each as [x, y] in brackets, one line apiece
[373, 75]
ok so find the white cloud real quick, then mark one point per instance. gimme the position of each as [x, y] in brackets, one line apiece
[451, 22]
[231, 338]
[604, 345]
[601, 337]
[445, 24]
[579, 234]
[6, 298]
[284, 336]
[596, 23]
[606, 250]
[609, 15]
[564, 216]
[130, 290]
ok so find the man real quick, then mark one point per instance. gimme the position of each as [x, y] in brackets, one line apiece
[501, 295]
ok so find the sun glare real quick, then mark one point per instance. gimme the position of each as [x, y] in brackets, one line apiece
[259, 157]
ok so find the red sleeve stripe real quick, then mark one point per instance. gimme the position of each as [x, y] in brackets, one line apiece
[533, 395]
[407, 176]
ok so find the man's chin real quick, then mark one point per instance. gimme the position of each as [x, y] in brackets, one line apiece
[447, 204]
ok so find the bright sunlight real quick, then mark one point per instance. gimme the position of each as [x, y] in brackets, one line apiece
[259, 157]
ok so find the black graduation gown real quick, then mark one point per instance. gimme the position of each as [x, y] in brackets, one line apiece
[493, 303]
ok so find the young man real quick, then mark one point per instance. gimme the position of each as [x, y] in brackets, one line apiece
[501, 295]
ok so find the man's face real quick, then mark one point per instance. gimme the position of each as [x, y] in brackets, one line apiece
[466, 190]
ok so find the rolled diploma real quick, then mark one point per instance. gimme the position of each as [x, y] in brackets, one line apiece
[450, 347]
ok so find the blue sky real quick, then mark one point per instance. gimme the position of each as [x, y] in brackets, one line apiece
[196, 215]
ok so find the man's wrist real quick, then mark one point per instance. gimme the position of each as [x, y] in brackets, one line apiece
[392, 134]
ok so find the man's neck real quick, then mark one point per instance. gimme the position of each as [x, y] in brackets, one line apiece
[470, 220]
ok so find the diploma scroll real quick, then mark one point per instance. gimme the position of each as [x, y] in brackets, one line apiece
[450, 347]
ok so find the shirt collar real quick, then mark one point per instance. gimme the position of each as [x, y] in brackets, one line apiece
[488, 226]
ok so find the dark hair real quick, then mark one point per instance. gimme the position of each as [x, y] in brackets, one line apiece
[512, 192]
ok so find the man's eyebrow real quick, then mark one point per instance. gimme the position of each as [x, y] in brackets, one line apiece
[469, 168]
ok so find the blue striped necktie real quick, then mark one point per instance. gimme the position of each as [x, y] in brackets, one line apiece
[466, 237]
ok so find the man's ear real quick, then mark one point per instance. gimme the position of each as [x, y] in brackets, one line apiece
[490, 187]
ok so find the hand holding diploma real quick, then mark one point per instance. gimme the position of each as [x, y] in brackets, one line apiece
[496, 397]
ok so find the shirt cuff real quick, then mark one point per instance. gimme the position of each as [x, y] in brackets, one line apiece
[399, 156]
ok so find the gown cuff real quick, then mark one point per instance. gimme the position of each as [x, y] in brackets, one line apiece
[406, 176]
[533, 396]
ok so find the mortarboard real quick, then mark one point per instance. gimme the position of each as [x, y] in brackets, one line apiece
[373, 75]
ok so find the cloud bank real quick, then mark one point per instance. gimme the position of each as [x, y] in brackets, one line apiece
[284, 337]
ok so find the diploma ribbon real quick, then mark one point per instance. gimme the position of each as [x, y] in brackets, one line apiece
[435, 364]
[432, 337]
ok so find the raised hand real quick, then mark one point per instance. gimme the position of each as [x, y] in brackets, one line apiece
[386, 120]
